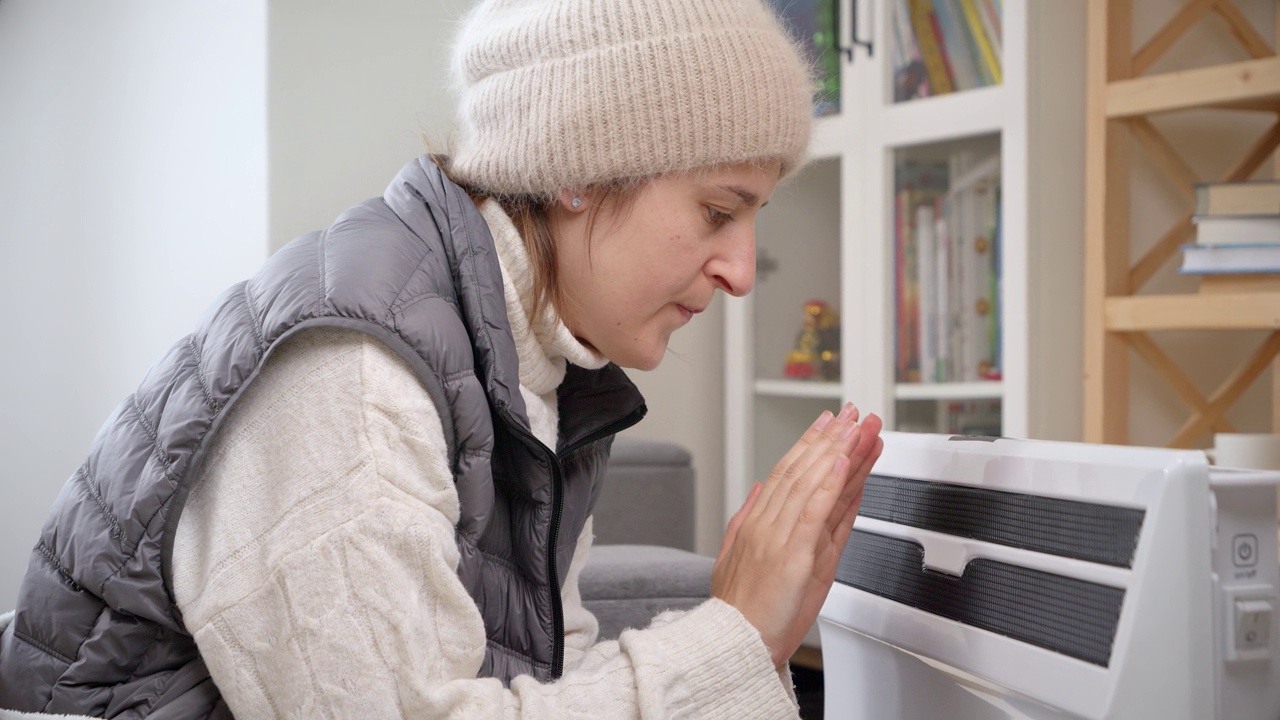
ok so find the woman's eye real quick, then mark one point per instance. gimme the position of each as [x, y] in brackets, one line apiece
[718, 218]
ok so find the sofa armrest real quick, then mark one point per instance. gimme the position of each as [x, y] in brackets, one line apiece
[648, 496]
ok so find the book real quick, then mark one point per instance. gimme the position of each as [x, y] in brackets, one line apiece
[1224, 259]
[918, 185]
[910, 80]
[955, 46]
[1237, 229]
[991, 23]
[973, 204]
[1259, 197]
[1240, 282]
[927, 257]
[989, 60]
[930, 50]
[946, 269]
[943, 326]
[942, 49]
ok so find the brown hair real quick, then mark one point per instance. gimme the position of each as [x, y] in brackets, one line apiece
[530, 213]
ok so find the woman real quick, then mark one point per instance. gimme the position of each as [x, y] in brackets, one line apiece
[363, 486]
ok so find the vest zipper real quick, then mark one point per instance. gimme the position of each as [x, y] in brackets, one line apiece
[613, 428]
[557, 509]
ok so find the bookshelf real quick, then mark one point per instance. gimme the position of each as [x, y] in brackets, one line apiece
[1120, 315]
[830, 234]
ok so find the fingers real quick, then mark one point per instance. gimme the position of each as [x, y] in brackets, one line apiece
[810, 436]
[840, 535]
[816, 479]
[735, 522]
[862, 459]
[787, 474]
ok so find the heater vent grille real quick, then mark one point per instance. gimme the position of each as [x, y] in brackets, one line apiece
[1066, 615]
[1103, 534]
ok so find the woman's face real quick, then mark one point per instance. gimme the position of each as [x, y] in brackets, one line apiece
[648, 269]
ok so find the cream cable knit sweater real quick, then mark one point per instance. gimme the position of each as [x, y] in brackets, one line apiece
[315, 564]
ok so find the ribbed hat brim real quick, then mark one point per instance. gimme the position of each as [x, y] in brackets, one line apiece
[668, 103]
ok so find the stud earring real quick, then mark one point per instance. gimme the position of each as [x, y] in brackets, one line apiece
[577, 202]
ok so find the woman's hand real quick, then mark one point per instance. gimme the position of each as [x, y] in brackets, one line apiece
[782, 548]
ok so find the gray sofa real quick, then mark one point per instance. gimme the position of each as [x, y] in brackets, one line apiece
[643, 561]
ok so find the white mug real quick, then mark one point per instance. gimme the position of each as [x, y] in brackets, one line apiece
[1257, 451]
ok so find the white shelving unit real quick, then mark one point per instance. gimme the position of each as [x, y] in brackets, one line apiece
[829, 235]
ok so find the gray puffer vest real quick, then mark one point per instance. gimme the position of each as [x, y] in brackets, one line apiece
[96, 630]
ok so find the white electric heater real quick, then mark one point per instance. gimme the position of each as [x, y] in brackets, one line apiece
[996, 578]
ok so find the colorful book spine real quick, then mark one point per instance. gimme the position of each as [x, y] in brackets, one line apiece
[942, 295]
[918, 346]
[927, 254]
[942, 50]
[985, 77]
[930, 49]
[910, 79]
[955, 49]
[989, 59]
[992, 25]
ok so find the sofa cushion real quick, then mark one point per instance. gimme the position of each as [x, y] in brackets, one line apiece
[625, 586]
[648, 496]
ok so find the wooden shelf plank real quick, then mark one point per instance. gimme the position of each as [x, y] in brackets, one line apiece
[1221, 311]
[1252, 84]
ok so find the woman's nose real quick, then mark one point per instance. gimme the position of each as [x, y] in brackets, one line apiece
[734, 270]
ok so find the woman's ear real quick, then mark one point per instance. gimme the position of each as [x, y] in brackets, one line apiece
[572, 200]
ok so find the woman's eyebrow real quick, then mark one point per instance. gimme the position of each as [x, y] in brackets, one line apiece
[748, 197]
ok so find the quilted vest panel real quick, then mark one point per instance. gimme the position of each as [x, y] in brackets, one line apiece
[96, 630]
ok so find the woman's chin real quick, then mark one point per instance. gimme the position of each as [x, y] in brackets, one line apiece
[644, 358]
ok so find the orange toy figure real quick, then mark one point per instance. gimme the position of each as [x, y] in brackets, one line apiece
[817, 350]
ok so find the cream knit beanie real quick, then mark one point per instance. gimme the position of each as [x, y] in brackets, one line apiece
[564, 93]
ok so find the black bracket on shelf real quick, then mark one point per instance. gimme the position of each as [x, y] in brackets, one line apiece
[853, 34]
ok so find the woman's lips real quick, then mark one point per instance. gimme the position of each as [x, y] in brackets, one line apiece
[688, 312]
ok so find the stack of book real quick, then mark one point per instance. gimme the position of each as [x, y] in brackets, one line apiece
[947, 270]
[940, 46]
[1237, 229]
[815, 25]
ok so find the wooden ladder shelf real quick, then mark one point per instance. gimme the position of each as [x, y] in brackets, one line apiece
[1118, 318]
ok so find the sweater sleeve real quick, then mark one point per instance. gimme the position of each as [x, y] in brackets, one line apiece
[316, 568]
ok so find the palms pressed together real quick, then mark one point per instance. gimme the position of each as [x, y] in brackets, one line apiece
[782, 548]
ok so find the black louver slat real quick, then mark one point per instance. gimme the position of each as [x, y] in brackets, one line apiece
[1066, 615]
[1068, 528]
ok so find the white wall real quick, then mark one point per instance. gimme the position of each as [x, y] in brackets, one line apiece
[132, 191]
[353, 87]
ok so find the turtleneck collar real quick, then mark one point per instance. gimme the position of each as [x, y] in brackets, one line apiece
[544, 344]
